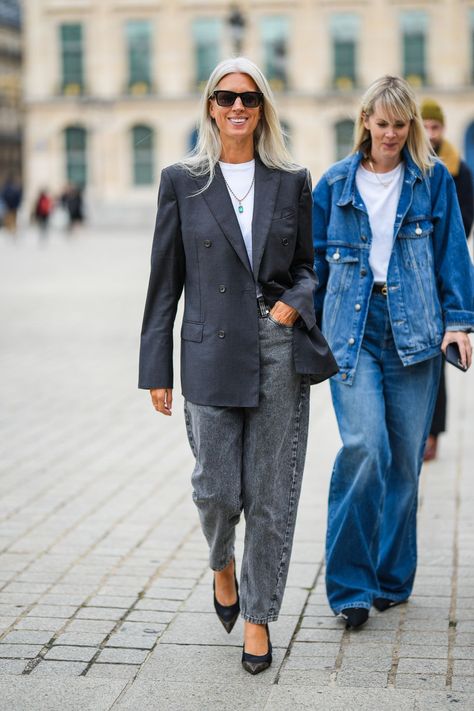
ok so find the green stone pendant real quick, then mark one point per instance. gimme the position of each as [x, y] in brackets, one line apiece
[241, 209]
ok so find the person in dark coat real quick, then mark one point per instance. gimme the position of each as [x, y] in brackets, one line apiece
[433, 120]
[11, 196]
[233, 229]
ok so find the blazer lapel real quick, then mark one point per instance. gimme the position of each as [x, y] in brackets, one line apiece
[218, 200]
[267, 182]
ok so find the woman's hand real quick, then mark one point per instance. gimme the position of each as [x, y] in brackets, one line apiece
[162, 399]
[284, 314]
[464, 345]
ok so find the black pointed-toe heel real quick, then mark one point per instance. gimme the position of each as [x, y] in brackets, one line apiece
[253, 663]
[355, 617]
[227, 614]
[382, 603]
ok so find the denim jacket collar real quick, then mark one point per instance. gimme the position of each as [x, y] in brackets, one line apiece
[412, 173]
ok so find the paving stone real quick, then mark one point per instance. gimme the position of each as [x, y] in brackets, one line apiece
[19, 651]
[75, 654]
[72, 694]
[421, 651]
[158, 605]
[150, 616]
[463, 652]
[109, 601]
[304, 677]
[319, 635]
[91, 626]
[12, 666]
[367, 664]
[47, 668]
[27, 637]
[314, 649]
[122, 656]
[464, 667]
[363, 649]
[422, 666]
[80, 639]
[132, 641]
[420, 681]
[356, 678]
[428, 638]
[303, 663]
[113, 671]
[462, 683]
[64, 611]
[100, 613]
[45, 624]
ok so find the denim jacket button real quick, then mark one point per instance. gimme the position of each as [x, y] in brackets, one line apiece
[336, 256]
[344, 376]
[363, 272]
[357, 307]
[351, 341]
[363, 238]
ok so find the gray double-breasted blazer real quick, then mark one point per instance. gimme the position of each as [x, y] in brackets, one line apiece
[198, 245]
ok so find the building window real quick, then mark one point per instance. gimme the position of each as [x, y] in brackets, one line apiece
[275, 34]
[345, 29]
[72, 82]
[344, 134]
[207, 33]
[138, 35]
[414, 24]
[76, 155]
[142, 149]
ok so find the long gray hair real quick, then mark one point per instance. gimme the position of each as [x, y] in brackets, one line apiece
[269, 138]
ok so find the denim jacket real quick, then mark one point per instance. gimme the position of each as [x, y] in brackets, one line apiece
[430, 273]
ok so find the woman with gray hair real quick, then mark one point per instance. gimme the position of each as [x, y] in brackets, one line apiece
[234, 229]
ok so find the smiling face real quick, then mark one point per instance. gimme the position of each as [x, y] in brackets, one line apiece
[388, 135]
[236, 123]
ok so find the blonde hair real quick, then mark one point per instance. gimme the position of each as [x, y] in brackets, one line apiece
[268, 136]
[397, 99]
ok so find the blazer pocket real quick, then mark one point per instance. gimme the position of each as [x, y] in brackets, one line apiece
[285, 213]
[192, 331]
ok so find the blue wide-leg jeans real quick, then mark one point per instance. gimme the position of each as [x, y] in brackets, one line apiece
[384, 419]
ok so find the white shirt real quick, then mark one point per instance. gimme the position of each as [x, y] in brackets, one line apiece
[380, 193]
[240, 176]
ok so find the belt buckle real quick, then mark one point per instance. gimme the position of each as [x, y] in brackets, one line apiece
[384, 290]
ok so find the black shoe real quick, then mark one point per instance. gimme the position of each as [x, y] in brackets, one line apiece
[227, 614]
[382, 603]
[355, 617]
[253, 663]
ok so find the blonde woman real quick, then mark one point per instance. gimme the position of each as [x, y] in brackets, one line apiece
[234, 229]
[395, 288]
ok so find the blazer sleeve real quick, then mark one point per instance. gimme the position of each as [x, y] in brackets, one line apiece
[300, 296]
[164, 290]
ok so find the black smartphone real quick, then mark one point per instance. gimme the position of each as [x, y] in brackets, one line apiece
[453, 356]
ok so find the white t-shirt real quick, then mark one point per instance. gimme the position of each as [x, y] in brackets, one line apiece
[380, 194]
[239, 176]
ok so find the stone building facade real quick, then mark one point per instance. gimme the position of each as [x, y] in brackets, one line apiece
[112, 87]
[10, 89]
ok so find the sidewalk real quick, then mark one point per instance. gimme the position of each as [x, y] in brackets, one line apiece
[105, 593]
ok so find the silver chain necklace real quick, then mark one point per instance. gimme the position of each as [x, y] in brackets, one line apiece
[383, 183]
[240, 200]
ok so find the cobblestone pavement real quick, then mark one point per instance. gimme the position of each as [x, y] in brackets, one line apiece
[105, 594]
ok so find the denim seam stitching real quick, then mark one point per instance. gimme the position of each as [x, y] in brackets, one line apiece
[294, 460]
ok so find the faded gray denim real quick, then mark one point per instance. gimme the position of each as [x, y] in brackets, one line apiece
[252, 459]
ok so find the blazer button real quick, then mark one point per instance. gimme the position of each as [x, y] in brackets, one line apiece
[207, 242]
[284, 242]
[221, 334]
[222, 289]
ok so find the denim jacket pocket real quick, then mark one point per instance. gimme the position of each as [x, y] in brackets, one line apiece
[343, 263]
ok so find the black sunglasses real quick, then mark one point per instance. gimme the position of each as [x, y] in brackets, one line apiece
[250, 99]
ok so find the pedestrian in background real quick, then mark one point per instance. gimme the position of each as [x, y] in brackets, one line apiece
[11, 196]
[234, 229]
[42, 211]
[433, 120]
[395, 287]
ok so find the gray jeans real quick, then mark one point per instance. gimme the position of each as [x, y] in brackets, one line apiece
[253, 459]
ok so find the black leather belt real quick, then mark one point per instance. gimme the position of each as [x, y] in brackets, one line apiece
[380, 289]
